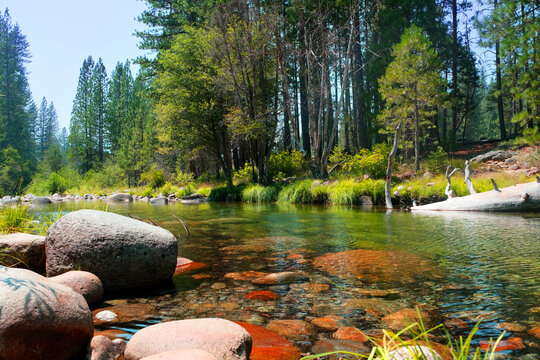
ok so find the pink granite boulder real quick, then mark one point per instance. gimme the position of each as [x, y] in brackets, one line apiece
[82, 282]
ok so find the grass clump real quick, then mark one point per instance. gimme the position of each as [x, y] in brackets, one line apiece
[15, 219]
[298, 192]
[415, 344]
[204, 190]
[260, 194]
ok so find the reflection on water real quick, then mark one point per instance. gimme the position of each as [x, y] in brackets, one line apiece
[483, 266]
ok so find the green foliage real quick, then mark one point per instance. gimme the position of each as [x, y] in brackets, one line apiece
[183, 191]
[373, 163]
[56, 184]
[349, 192]
[14, 172]
[260, 194]
[184, 178]
[148, 192]
[226, 193]
[154, 178]
[245, 174]
[15, 219]
[437, 160]
[286, 164]
[204, 190]
[530, 137]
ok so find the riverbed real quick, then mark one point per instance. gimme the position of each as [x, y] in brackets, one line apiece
[465, 266]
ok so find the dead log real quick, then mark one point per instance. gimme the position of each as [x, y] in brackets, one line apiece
[387, 184]
[520, 197]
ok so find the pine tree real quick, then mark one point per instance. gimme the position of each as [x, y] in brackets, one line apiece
[46, 127]
[411, 86]
[119, 98]
[83, 142]
[15, 98]
[98, 101]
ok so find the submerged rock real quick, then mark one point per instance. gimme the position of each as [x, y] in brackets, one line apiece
[268, 345]
[374, 265]
[123, 313]
[23, 250]
[349, 333]
[123, 253]
[414, 352]
[292, 329]
[286, 277]
[265, 295]
[221, 338]
[327, 323]
[332, 345]
[41, 319]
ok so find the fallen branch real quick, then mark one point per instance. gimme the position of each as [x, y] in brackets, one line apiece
[153, 222]
[183, 224]
[495, 187]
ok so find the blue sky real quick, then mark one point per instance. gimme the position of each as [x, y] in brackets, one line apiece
[62, 33]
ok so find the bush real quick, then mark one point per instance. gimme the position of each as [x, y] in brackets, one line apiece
[183, 191]
[154, 178]
[530, 137]
[245, 174]
[286, 164]
[437, 160]
[148, 192]
[204, 190]
[224, 193]
[373, 162]
[56, 184]
[184, 178]
[260, 194]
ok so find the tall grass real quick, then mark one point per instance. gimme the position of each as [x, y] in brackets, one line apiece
[260, 194]
[298, 192]
[16, 219]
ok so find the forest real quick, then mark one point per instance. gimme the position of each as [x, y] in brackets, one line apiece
[237, 91]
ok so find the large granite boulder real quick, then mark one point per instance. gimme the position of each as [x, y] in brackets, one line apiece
[41, 319]
[41, 200]
[120, 197]
[122, 252]
[23, 250]
[222, 338]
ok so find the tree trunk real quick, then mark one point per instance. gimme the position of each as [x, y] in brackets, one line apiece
[500, 108]
[453, 134]
[391, 156]
[358, 86]
[304, 110]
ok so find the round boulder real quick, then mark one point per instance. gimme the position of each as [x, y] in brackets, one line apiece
[24, 250]
[41, 319]
[122, 252]
[41, 200]
[159, 201]
[82, 282]
[121, 197]
[221, 338]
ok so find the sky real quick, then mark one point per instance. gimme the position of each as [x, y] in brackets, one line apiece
[62, 33]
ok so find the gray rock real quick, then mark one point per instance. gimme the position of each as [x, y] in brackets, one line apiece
[159, 201]
[12, 200]
[121, 197]
[45, 320]
[221, 338]
[365, 200]
[123, 253]
[41, 200]
[23, 250]
[6, 198]
[496, 155]
[192, 197]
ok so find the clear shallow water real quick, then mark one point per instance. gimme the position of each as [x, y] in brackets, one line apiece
[487, 266]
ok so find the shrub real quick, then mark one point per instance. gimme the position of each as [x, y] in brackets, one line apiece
[184, 178]
[204, 190]
[286, 164]
[368, 162]
[245, 174]
[224, 193]
[148, 192]
[56, 184]
[260, 194]
[183, 191]
[166, 189]
[530, 137]
[154, 178]
[437, 160]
